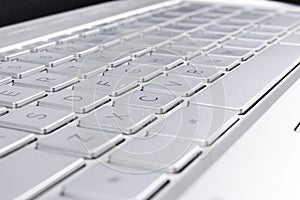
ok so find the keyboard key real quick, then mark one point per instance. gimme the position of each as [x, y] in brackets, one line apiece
[281, 21]
[180, 26]
[209, 36]
[121, 119]
[102, 182]
[166, 62]
[109, 57]
[150, 41]
[128, 49]
[156, 153]
[245, 44]
[223, 62]
[71, 49]
[175, 84]
[79, 142]
[243, 54]
[184, 52]
[45, 58]
[110, 85]
[248, 16]
[207, 74]
[194, 42]
[154, 101]
[19, 69]
[234, 23]
[222, 29]
[197, 123]
[166, 33]
[74, 100]
[7, 55]
[5, 79]
[83, 69]
[16, 97]
[293, 39]
[50, 82]
[39, 45]
[255, 36]
[267, 30]
[11, 140]
[36, 119]
[37, 170]
[230, 92]
[140, 72]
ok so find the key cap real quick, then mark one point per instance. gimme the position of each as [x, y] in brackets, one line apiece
[202, 124]
[150, 41]
[292, 39]
[281, 21]
[156, 153]
[36, 119]
[166, 62]
[175, 85]
[121, 119]
[185, 53]
[193, 42]
[141, 72]
[222, 29]
[267, 30]
[207, 74]
[250, 77]
[19, 69]
[156, 102]
[16, 97]
[7, 55]
[209, 36]
[11, 140]
[255, 36]
[166, 33]
[243, 54]
[223, 62]
[245, 44]
[80, 142]
[128, 49]
[74, 100]
[39, 45]
[110, 58]
[110, 85]
[24, 166]
[180, 26]
[195, 20]
[248, 16]
[5, 79]
[45, 58]
[83, 69]
[47, 81]
[102, 182]
[234, 23]
[72, 49]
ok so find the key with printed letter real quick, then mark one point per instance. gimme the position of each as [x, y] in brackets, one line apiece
[102, 182]
[121, 119]
[47, 81]
[81, 142]
[82, 68]
[19, 69]
[45, 58]
[174, 84]
[36, 119]
[74, 100]
[24, 166]
[12, 96]
[110, 85]
[141, 72]
[11, 140]
[157, 102]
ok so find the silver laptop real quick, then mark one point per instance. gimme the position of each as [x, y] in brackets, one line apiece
[150, 100]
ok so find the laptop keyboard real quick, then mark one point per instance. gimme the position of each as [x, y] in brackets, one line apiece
[146, 94]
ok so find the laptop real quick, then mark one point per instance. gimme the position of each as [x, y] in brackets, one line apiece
[149, 100]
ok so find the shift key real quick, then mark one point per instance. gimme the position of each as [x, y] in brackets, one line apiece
[245, 86]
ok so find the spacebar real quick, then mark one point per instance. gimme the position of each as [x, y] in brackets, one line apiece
[243, 87]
